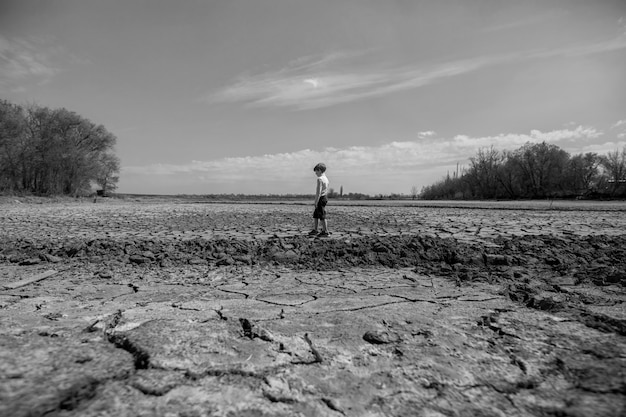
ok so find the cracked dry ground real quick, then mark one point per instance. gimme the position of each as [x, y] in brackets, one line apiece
[175, 309]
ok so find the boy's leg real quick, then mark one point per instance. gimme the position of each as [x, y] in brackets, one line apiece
[322, 216]
[315, 224]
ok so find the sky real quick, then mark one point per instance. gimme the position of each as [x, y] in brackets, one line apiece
[247, 96]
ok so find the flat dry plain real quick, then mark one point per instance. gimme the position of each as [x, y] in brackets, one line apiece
[178, 307]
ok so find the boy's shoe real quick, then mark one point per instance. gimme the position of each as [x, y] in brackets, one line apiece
[313, 233]
[323, 234]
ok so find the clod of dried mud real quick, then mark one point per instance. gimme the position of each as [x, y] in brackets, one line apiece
[226, 310]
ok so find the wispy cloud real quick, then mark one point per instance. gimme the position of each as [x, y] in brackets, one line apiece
[528, 21]
[310, 83]
[316, 82]
[426, 134]
[384, 168]
[582, 49]
[619, 124]
[334, 80]
[25, 60]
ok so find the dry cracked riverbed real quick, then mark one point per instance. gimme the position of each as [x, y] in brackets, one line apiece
[135, 308]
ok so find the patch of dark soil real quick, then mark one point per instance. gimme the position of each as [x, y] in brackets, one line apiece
[80, 391]
[534, 297]
[603, 322]
[597, 259]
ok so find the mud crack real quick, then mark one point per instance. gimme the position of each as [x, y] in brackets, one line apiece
[141, 356]
[314, 351]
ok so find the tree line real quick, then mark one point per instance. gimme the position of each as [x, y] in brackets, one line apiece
[54, 152]
[534, 171]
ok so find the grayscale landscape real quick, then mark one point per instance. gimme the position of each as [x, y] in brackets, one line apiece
[161, 163]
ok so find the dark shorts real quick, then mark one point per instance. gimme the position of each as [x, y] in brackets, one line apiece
[320, 208]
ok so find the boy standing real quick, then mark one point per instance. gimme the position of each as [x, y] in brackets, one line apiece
[321, 192]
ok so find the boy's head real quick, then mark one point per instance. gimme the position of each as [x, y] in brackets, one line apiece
[320, 167]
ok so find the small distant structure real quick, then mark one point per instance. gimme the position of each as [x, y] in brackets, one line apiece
[100, 193]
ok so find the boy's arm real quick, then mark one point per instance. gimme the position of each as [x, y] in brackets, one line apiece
[318, 190]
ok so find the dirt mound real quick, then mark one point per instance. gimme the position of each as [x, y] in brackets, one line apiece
[597, 259]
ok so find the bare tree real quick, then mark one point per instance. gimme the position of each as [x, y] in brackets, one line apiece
[614, 164]
[12, 127]
[582, 173]
[483, 172]
[107, 167]
[541, 167]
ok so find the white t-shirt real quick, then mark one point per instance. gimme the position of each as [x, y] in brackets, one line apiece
[322, 185]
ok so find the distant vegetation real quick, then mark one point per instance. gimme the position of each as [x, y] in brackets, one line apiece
[54, 152]
[534, 171]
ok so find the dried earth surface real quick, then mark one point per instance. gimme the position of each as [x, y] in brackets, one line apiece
[181, 308]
